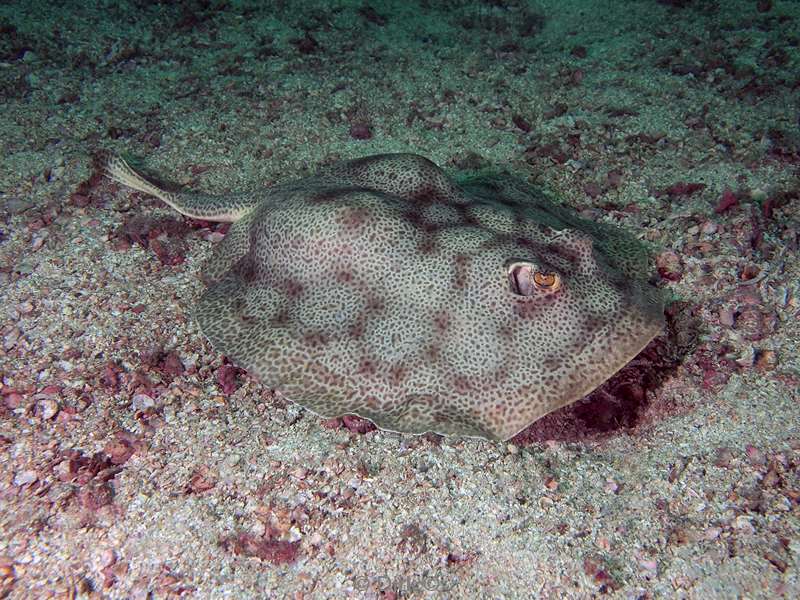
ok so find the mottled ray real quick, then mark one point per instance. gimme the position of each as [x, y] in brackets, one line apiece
[383, 288]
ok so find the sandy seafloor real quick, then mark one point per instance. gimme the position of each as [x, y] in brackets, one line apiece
[135, 462]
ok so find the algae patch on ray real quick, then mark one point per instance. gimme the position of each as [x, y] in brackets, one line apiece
[382, 288]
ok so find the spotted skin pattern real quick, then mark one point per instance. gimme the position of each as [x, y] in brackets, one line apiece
[381, 287]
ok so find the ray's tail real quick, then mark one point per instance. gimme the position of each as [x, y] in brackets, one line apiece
[196, 205]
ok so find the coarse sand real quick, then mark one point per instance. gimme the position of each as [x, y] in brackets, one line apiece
[135, 462]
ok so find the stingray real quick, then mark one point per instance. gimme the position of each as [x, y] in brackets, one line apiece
[381, 287]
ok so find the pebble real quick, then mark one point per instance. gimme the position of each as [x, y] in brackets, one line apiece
[216, 236]
[766, 360]
[726, 317]
[16, 206]
[108, 558]
[25, 478]
[299, 473]
[25, 267]
[38, 241]
[755, 455]
[649, 565]
[743, 523]
[48, 408]
[25, 308]
[794, 546]
[723, 457]
[709, 227]
[63, 470]
[142, 402]
[10, 339]
[746, 357]
[360, 131]
[13, 400]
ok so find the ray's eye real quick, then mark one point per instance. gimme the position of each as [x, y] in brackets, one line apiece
[546, 280]
[525, 279]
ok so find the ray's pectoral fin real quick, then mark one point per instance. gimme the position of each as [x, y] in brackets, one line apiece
[195, 205]
[231, 251]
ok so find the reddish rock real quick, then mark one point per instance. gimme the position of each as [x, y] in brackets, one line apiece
[228, 378]
[521, 123]
[579, 52]
[171, 364]
[669, 266]
[80, 200]
[357, 424]
[273, 551]
[755, 323]
[201, 481]
[306, 44]
[112, 373]
[360, 131]
[727, 200]
[121, 447]
[95, 495]
[592, 189]
[614, 178]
